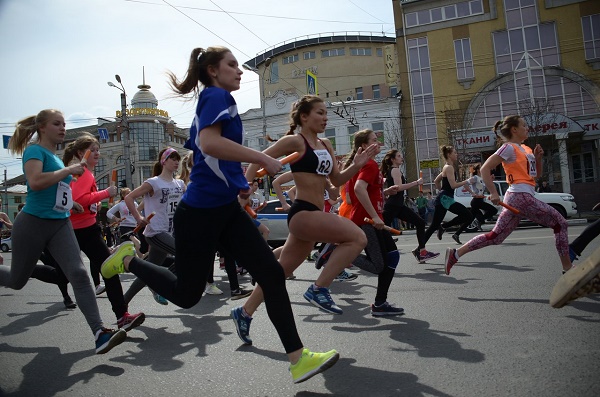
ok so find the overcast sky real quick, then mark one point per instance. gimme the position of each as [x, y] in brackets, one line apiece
[61, 53]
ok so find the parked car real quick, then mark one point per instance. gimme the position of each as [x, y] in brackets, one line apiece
[276, 221]
[5, 244]
[564, 203]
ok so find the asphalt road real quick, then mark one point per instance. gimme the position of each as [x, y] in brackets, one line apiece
[485, 330]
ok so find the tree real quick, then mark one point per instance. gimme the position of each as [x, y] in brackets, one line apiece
[457, 132]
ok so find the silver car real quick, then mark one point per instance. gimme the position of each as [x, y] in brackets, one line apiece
[276, 221]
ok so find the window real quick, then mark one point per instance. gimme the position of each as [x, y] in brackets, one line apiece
[360, 51]
[330, 134]
[379, 52]
[464, 59]
[309, 55]
[100, 166]
[583, 167]
[439, 14]
[376, 91]
[359, 93]
[393, 90]
[290, 59]
[334, 52]
[591, 36]
[274, 72]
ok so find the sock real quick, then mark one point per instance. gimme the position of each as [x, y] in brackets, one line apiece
[245, 313]
[456, 254]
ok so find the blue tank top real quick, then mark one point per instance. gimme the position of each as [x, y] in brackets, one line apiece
[314, 161]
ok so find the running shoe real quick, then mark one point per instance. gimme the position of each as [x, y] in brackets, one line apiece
[161, 300]
[578, 282]
[107, 338]
[242, 324]
[100, 288]
[429, 255]
[450, 260]
[456, 238]
[241, 271]
[240, 293]
[321, 298]
[440, 232]
[417, 254]
[113, 265]
[212, 289]
[311, 364]
[130, 321]
[572, 254]
[324, 255]
[69, 304]
[310, 258]
[386, 309]
[346, 276]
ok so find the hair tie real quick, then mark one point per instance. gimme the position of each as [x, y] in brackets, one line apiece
[166, 155]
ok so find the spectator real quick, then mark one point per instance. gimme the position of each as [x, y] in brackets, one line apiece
[544, 188]
[422, 206]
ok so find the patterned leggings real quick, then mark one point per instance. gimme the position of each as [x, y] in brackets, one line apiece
[532, 209]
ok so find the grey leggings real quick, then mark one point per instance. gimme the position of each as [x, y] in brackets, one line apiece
[30, 236]
[161, 245]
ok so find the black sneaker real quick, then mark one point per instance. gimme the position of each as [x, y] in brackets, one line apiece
[456, 238]
[323, 257]
[417, 254]
[240, 293]
[440, 232]
[69, 304]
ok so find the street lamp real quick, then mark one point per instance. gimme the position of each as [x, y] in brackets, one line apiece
[262, 90]
[124, 128]
[264, 144]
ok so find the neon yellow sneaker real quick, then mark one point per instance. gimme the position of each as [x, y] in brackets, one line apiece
[113, 265]
[311, 364]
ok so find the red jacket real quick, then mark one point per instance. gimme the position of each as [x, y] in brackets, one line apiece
[86, 193]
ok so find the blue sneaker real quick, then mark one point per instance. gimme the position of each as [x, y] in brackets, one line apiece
[321, 298]
[572, 254]
[107, 338]
[242, 324]
[159, 298]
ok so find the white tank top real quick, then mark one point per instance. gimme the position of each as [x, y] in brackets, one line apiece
[163, 203]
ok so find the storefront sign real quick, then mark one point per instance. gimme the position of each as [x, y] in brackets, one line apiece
[429, 164]
[144, 112]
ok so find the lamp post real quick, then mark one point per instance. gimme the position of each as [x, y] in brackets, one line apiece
[264, 144]
[124, 128]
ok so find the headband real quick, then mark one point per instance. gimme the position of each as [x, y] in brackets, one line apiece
[166, 155]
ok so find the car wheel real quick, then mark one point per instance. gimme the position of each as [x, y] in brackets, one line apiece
[560, 210]
[4, 247]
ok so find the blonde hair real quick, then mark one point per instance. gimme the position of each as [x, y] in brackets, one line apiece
[187, 162]
[26, 129]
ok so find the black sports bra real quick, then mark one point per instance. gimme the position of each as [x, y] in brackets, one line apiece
[314, 161]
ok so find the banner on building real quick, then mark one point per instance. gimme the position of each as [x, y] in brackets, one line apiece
[391, 65]
[311, 83]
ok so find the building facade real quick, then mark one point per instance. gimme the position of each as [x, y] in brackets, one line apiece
[465, 64]
[350, 73]
[150, 130]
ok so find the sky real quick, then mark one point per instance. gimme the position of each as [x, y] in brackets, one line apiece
[61, 53]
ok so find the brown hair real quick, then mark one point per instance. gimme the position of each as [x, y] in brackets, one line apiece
[82, 143]
[303, 106]
[26, 128]
[186, 167]
[446, 150]
[200, 60]
[386, 163]
[157, 169]
[505, 126]
[360, 137]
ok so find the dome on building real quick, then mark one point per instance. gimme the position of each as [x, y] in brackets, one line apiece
[144, 98]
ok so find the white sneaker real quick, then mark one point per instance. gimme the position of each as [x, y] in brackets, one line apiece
[212, 289]
[100, 288]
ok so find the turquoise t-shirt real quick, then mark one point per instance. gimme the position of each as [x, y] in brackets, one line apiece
[41, 203]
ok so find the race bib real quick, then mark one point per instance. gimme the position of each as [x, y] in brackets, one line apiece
[254, 203]
[325, 164]
[531, 165]
[94, 208]
[64, 198]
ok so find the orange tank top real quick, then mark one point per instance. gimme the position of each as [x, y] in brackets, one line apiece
[345, 208]
[523, 169]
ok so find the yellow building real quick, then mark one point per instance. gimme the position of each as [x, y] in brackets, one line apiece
[466, 64]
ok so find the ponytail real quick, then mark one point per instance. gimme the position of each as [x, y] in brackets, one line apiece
[26, 128]
[303, 106]
[359, 138]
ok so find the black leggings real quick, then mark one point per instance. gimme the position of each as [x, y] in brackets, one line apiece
[589, 233]
[463, 218]
[391, 211]
[198, 233]
[94, 247]
[480, 210]
[50, 272]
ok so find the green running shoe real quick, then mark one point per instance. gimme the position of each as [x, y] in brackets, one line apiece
[311, 364]
[113, 265]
